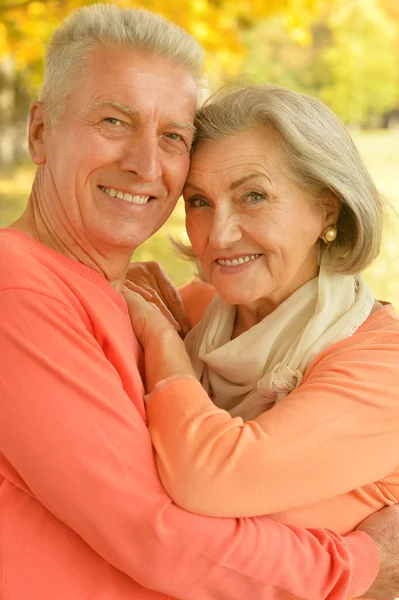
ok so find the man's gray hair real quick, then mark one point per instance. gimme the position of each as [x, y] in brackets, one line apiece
[100, 25]
[318, 153]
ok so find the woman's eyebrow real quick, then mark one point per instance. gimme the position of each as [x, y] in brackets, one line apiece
[233, 185]
[238, 182]
[194, 187]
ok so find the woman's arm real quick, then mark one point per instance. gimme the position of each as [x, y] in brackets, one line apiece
[196, 296]
[345, 413]
[343, 421]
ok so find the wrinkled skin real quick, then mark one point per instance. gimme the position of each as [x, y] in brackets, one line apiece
[151, 282]
[383, 528]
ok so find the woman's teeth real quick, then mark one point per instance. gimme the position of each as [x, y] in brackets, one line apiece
[237, 261]
[127, 197]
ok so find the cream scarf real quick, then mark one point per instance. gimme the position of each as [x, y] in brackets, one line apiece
[248, 374]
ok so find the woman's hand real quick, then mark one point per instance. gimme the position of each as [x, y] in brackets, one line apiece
[152, 279]
[149, 319]
[164, 352]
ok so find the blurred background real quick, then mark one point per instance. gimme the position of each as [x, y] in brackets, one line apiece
[345, 52]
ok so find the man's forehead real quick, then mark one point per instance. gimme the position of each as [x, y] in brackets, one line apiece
[140, 71]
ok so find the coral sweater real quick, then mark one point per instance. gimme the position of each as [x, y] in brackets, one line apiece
[325, 456]
[83, 515]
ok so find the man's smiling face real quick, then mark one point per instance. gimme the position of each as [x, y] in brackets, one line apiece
[116, 161]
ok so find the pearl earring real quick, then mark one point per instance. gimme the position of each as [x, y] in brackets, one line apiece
[329, 234]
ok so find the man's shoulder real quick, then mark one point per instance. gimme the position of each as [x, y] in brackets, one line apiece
[31, 268]
[16, 257]
[23, 265]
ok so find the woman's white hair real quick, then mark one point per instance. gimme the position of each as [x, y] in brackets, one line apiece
[92, 27]
[319, 155]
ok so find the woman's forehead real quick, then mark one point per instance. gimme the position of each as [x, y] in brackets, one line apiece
[226, 161]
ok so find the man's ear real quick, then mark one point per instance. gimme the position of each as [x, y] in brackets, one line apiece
[36, 133]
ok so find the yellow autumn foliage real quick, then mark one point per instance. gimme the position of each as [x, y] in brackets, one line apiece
[26, 26]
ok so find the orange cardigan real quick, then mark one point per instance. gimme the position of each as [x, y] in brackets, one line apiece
[82, 511]
[325, 456]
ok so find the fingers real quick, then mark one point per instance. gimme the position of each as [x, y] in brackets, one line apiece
[156, 300]
[171, 297]
[150, 275]
[137, 310]
[151, 296]
[138, 289]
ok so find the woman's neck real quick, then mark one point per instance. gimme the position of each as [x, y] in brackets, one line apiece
[248, 316]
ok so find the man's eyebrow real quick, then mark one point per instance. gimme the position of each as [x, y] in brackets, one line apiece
[182, 125]
[132, 112]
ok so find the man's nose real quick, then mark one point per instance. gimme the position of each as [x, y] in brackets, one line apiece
[225, 230]
[142, 156]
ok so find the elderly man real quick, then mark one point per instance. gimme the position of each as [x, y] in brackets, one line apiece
[83, 515]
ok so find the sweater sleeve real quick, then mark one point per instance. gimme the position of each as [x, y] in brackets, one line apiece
[75, 438]
[196, 296]
[343, 420]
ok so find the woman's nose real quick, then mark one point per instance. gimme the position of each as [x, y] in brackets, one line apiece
[225, 231]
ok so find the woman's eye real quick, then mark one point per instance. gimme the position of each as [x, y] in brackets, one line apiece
[255, 196]
[196, 202]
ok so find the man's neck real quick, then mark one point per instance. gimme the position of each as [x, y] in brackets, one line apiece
[112, 263]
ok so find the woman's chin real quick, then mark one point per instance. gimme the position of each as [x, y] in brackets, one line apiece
[236, 296]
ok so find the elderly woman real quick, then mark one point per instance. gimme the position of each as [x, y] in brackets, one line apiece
[298, 413]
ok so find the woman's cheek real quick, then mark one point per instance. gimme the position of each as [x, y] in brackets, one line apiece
[197, 234]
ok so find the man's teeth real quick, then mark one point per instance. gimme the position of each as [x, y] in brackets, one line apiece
[126, 197]
[237, 261]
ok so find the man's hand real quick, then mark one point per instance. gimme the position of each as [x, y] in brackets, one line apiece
[383, 528]
[158, 289]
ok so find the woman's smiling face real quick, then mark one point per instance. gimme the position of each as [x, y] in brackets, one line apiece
[254, 230]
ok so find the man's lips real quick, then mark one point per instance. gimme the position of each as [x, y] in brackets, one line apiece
[127, 197]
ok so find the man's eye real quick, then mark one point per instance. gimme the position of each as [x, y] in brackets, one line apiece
[113, 121]
[175, 137]
[175, 143]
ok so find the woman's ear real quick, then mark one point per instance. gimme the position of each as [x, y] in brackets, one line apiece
[36, 133]
[332, 208]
